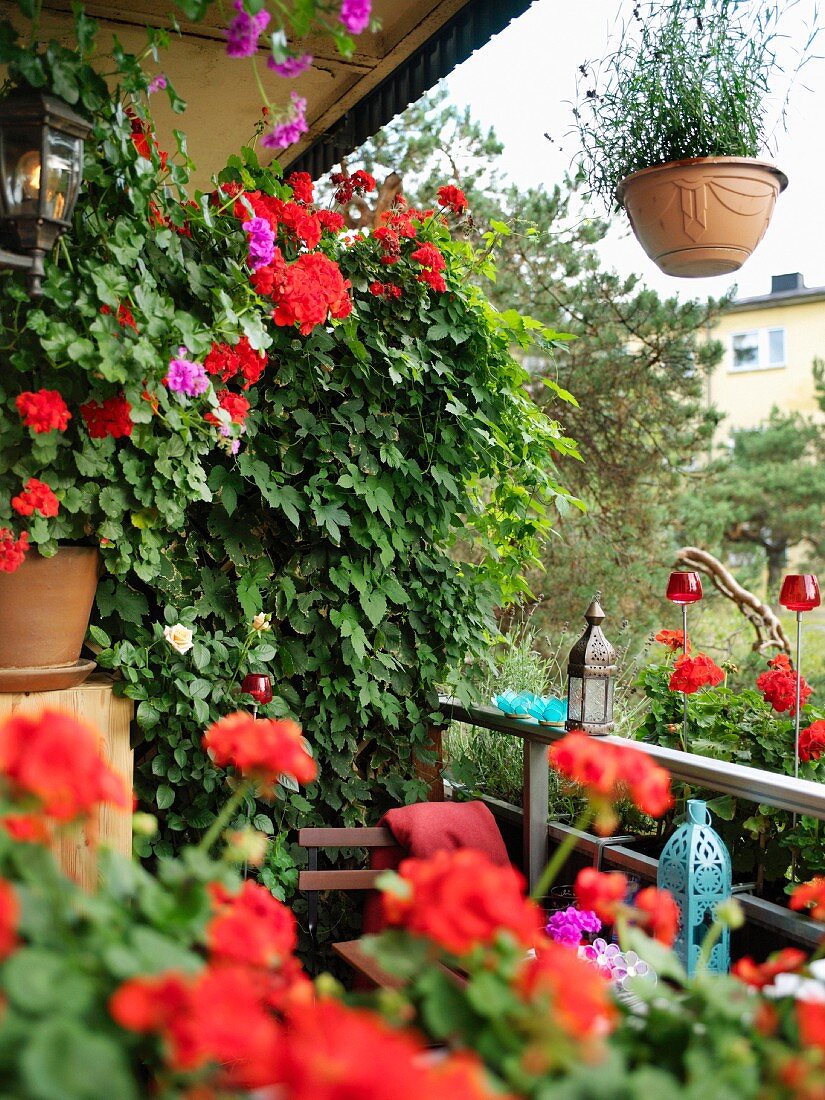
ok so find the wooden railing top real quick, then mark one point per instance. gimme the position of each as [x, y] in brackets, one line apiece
[783, 792]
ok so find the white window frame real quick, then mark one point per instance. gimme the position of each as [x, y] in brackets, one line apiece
[763, 336]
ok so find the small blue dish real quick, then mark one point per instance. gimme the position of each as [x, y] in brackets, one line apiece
[547, 710]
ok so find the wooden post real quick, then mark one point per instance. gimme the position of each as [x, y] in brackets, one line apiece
[536, 793]
[431, 773]
[95, 703]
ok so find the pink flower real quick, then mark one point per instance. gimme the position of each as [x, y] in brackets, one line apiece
[290, 66]
[355, 15]
[185, 376]
[243, 32]
[287, 133]
[157, 84]
[261, 242]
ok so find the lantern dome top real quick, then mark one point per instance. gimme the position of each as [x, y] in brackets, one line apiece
[593, 649]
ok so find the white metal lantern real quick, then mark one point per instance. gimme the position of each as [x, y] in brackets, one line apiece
[591, 669]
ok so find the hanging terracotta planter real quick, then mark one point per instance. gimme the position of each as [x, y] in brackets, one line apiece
[44, 613]
[704, 216]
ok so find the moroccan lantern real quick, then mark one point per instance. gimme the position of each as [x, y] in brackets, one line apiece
[591, 668]
[695, 868]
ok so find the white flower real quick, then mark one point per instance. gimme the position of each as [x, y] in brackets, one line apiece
[179, 637]
[262, 622]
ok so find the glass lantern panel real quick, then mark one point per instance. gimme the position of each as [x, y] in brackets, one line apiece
[595, 701]
[63, 172]
[574, 698]
[609, 710]
[20, 172]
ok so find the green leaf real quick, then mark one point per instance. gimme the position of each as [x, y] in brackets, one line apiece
[164, 797]
[374, 605]
[62, 1060]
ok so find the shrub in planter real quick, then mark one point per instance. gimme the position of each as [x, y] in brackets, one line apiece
[673, 123]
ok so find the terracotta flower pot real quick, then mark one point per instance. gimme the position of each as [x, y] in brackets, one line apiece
[701, 217]
[44, 612]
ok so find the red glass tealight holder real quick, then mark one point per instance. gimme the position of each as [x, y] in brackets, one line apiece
[683, 587]
[259, 686]
[800, 592]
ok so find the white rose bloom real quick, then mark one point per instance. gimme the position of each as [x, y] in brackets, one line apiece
[261, 622]
[179, 637]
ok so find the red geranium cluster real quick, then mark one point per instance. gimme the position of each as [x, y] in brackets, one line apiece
[778, 685]
[9, 919]
[331, 220]
[111, 417]
[123, 316]
[260, 748]
[56, 760]
[358, 183]
[604, 893]
[300, 224]
[461, 900]
[576, 995]
[385, 290]
[302, 187]
[453, 198]
[609, 772]
[691, 673]
[12, 550]
[810, 896]
[251, 928]
[390, 243]
[36, 497]
[142, 136]
[43, 410]
[313, 290]
[229, 360]
[433, 264]
[758, 975]
[812, 741]
[673, 639]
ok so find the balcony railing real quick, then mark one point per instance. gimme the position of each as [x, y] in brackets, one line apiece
[784, 792]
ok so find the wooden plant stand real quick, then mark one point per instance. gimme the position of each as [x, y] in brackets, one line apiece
[95, 703]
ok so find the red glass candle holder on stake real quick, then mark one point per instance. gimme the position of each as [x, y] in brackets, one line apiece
[684, 588]
[800, 593]
[259, 686]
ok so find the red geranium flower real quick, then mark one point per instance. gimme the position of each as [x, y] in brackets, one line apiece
[331, 220]
[657, 912]
[759, 975]
[36, 497]
[812, 741]
[673, 639]
[778, 686]
[141, 137]
[12, 550]
[453, 198]
[252, 928]
[43, 411]
[810, 1016]
[461, 900]
[57, 759]
[302, 186]
[219, 1016]
[608, 772]
[27, 828]
[260, 748]
[313, 290]
[576, 995]
[691, 673]
[600, 892]
[234, 404]
[428, 256]
[433, 279]
[810, 896]
[110, 417]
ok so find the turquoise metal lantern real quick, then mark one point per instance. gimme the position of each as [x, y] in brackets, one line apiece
[695, 868]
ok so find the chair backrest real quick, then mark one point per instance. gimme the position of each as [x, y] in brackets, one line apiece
[313, 839]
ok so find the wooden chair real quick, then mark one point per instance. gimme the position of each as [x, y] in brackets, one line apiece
[312, 881]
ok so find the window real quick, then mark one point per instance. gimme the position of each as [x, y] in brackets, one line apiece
[760, 349]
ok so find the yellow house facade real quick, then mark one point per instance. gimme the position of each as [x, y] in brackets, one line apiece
[770, 343]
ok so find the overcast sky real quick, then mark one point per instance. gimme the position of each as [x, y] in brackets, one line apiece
[523, 83]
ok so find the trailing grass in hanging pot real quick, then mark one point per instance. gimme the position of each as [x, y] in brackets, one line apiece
[674, 124]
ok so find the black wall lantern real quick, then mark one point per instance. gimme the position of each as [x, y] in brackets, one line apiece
[591, 669]
[41, 168]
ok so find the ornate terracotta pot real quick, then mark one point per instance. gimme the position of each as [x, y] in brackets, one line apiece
[704, 216]
[44, 613]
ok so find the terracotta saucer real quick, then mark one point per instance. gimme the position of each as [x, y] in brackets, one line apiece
[49, 678]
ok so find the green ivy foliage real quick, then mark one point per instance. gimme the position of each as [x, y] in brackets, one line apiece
[394, 481]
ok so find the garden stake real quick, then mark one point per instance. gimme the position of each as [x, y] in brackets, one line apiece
[684, 693]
